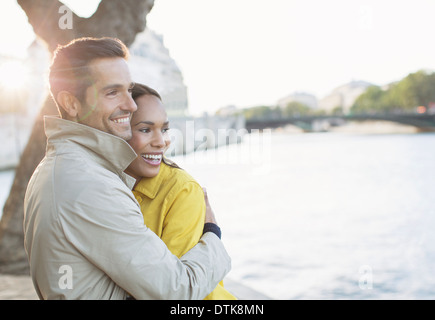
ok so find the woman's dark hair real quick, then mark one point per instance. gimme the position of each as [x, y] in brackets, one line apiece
[143, 90]
[140, 90]
[69, 69]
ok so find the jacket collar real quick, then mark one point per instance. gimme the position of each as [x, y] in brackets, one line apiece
[150, 186]
[108, 150]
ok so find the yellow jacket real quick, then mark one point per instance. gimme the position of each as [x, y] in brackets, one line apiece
[172, 204]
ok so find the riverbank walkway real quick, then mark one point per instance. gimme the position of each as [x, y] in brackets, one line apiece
[21, 288]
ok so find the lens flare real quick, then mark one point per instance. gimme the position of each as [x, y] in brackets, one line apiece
[13, 75]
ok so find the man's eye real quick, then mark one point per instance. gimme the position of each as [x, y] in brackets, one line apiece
[112, 93]
[165, 130]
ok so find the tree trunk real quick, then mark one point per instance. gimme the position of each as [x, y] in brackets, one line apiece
[122, 19]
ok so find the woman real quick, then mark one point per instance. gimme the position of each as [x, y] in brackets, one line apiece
[171, 201]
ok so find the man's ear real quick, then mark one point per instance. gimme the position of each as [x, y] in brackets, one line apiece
[68, 102]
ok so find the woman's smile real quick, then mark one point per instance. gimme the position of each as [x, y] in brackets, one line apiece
[153, 159]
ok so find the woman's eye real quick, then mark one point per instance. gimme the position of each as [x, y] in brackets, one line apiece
[144, 130]
[165, 130]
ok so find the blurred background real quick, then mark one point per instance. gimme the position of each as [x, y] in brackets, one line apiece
[311, 124]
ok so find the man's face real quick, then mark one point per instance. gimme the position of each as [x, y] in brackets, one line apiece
[108, 104]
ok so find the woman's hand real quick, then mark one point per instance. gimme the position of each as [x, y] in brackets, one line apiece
[209, 214]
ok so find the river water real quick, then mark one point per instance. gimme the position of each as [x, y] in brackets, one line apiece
[323, 215]
[326, 216]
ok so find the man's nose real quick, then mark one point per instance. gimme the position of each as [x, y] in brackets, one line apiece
[129, 104]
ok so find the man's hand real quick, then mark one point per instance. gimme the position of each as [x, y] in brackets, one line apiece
[209, 214]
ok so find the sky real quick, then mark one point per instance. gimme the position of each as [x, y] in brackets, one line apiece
[251, 52]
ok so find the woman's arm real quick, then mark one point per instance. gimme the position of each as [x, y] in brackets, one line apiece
[184, 222]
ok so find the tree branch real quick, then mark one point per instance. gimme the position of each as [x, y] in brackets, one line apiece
[122, 19]
[44, 17]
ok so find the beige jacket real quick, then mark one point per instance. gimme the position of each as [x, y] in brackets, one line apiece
[84, 232]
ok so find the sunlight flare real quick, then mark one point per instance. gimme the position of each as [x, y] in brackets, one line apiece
[13, 75]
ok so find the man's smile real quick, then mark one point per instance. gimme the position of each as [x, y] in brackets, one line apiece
[124, 119]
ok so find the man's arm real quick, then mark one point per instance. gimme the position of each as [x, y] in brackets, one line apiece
[109, 231]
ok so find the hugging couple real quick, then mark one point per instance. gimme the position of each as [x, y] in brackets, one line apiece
[125, 221]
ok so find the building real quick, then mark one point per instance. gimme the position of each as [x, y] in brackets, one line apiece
[151, 64]
[301, 97]
[344, 96]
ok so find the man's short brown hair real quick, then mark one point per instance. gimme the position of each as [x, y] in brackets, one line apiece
[69, 68]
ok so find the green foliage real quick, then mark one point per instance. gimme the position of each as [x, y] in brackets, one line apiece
[261, 112]
[417, 89]
[295, 109]
[292, 109]
[371, 99]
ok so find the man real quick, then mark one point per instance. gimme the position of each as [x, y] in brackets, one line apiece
[84, 232]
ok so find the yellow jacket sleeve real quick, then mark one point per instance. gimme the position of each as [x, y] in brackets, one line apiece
[183, 227]
[174, 208]
[184, 221]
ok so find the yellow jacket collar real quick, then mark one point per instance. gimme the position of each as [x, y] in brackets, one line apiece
[150, 186]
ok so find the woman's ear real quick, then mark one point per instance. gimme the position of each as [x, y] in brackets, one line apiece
[69, 103]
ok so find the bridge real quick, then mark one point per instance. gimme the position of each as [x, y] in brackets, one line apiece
[425, 121]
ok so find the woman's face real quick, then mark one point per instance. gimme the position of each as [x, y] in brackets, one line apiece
[150, 137]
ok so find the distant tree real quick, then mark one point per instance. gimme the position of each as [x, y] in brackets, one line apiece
[337, 111]
[416, 89]
[369, 101]
[260, 112]
[295, 109]
[113, 18]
